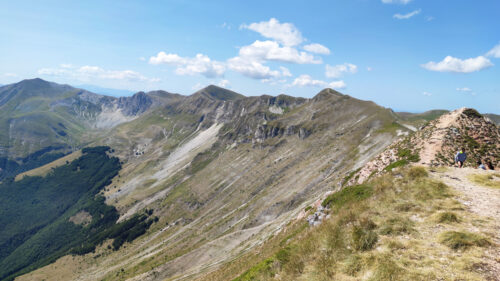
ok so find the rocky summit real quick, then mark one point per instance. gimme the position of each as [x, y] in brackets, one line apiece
[437, 143]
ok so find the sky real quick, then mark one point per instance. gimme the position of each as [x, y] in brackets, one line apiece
[409, 55]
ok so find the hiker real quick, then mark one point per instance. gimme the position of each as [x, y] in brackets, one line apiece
[460, 157]
[490, 165]
[480, 165]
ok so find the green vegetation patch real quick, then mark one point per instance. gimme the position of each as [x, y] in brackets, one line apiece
[399, 163]
[463, 240]
[262, 269]
[348, 195]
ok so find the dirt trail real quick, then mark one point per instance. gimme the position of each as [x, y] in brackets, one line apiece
[432, 146]
[481, 200]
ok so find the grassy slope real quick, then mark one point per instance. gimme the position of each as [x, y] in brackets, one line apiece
[409, 228]
[45, 169]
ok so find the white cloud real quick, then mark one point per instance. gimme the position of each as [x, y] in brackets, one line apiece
[305, 80]
[407, 16]
[451, 64]
[404, 2]
[164, 58]
[87, 73]
[465, 89]
[369, 68]
[337, 71]
[200, 64]
[285, 33]
[10, 75]
[337, 84]
[271, 50]
[317, 48]
[427, 94]
[252, 68]
[495, 52]
[429, 18]
[224, 83]
[285, 72]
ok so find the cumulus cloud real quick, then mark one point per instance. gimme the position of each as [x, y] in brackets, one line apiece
[200, 64]
[252, 68]
[285, 33]
[407, 16]
[272, 51]
[337, 71]
[88, 72]
[285, 72]
[495, 52]
[404, 2]
[317, 49]
[451, 64]
[427, 94]
[305, 80]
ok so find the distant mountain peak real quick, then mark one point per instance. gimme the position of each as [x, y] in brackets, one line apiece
[218, 93]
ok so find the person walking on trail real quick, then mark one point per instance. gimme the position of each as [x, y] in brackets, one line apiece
[460, 157]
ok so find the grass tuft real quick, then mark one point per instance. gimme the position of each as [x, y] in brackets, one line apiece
[448, 217]
[463, 240]
[417, 172]
[387, 270]
[347, 195]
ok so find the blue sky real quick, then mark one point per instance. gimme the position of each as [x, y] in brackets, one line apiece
[411, 55]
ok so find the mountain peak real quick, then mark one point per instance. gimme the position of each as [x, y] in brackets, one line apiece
[218, 93]
[327, 93]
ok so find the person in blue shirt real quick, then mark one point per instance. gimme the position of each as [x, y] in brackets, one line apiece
[480, 165]
[461, 157]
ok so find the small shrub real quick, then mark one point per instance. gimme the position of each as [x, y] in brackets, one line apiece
[387, 270]
[396, 226]
[283, 255]
[363, 239]
[463, 240]
[448, 217]
[417, 172]
[348, 195]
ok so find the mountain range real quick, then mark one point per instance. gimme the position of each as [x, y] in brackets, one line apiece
[219, 173]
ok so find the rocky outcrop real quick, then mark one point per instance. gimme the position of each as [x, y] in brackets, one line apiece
[437, 143]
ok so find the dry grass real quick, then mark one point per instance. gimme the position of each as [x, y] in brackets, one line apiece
[488, 180]
[45, 169]
[407, 229]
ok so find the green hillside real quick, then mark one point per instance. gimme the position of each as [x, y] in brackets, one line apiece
[44, 218]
